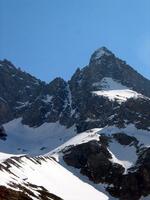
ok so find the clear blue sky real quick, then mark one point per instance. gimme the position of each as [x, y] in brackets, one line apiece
[50, 38]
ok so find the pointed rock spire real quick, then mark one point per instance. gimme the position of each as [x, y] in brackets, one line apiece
[103, 51]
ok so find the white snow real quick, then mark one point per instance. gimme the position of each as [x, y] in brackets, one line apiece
[123, 155]
[47, 98]
[27, 86]
[22, 104]
[78, 139]
[34, 141]
[100, 52]
[70, 100]
[100, 187]
[126, 154]
[118, 95]
[114, 90]
[108, 83]
[52, 176]
[91, 120]
[5, 156]
[143, 136]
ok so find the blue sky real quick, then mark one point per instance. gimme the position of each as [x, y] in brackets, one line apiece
[50, 38]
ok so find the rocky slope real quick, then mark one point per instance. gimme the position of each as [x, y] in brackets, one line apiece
[116, 161]
[105, 88]
[110, 161]
[42, 178]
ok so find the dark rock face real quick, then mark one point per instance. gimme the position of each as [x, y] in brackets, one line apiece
[72, 102]
[5, 113]
[25, 194]
[7, 194]
[16, 85]
[3, 134]
[53, 104]
[136, 183]
[108, 65]
[16, 89]
[124, 139]
[134, 111]
[22, 95]
[94, 161]
[100, 109]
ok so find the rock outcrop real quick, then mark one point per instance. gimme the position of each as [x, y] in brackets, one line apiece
[73, 102]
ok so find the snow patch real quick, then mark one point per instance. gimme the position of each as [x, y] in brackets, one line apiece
[78, 139]
[143, 136]
[114, 90]
[5, 156]
[22, 104]
[47, 99]
[100, 52]
[123, 158]
[22, 139]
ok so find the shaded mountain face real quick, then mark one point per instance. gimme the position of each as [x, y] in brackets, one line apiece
[105, 92]
[51, 105]
[126, 177]
[17, 89]
[107, 95]
[103, 64]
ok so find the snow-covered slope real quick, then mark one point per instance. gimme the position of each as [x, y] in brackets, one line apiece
[124, 144]
[78, 139]
[22, 139]
[114, 90]
[124, 155]
[47, 173]
[5, 156]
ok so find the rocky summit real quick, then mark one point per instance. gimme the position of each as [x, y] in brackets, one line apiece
[96, 126]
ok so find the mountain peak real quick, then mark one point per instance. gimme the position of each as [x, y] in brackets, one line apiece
[100, 52]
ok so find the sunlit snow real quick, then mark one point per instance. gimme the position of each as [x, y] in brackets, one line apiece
[114, 90]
